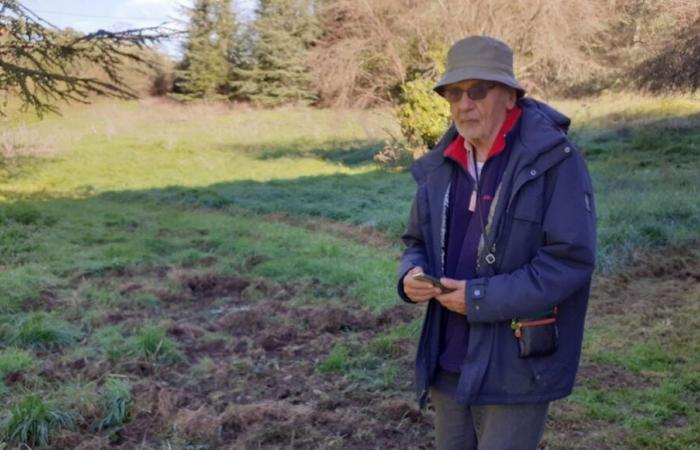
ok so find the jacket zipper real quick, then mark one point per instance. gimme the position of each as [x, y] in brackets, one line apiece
[517, 325]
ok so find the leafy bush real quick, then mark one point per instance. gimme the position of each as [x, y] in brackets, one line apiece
[422, 114]
[116, 401]
[32, 420]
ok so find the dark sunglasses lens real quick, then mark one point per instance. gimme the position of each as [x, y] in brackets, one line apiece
[477, 92]
[453, 95]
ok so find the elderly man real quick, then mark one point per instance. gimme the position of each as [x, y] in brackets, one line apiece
[500, 244]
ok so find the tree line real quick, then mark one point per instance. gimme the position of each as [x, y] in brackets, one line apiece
[356, 53]
[363, 52]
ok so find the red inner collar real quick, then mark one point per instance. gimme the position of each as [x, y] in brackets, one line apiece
[458, 153]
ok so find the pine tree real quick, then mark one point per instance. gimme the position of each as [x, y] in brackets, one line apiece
[206, 66]
[277, 72]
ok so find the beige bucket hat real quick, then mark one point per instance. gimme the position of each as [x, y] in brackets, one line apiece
[479, 58]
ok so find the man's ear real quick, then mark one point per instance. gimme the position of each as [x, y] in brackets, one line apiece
[512, 99]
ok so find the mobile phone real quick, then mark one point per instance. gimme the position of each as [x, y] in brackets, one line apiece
[420, 276]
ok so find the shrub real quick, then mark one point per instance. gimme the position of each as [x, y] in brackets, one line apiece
[32, 420]
[422, 114]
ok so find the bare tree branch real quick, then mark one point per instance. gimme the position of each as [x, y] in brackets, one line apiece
[41, 65]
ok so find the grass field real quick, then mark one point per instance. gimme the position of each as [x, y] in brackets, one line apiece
[202, 277]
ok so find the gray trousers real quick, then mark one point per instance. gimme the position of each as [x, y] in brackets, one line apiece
[487, 427]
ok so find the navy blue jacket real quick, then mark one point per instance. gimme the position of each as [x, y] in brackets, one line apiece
[539, 252]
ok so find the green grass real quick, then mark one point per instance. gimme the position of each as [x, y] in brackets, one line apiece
[111, 343]
[14, 360]
[128, 146]
[361, 365]
[336, 361]
[642, 153]
[42, 330]
[33, 420]
[116, 403]
[373, 364]
[152, 343]
[118, 188]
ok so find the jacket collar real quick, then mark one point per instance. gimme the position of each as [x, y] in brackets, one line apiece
[546, 129]
[457, 151]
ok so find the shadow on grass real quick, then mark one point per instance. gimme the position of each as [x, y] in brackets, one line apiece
[352, 153]
[378, 199]
[625, 166]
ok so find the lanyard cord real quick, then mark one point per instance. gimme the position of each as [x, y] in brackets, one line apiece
[478, 199]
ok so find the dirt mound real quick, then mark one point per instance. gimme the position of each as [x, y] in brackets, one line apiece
[654, 279]
[334, 318]
[215, 285]
[610, 377]
[198, 424]
[244, 320]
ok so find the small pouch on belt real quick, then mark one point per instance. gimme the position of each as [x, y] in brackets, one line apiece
[537, 336]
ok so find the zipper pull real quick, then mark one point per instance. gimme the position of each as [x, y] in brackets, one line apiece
[515, 326]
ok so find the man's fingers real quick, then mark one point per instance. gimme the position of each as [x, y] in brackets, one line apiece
[415, 270]
[452, 284]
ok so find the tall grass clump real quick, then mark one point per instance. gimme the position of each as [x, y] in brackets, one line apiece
[111, 342]
[152, 342]
[32, 421]
[116, 402]
[41, 330]
[21, 283]
[337, 360]
[14, 360]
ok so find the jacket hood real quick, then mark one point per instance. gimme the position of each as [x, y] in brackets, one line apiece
[536, 107]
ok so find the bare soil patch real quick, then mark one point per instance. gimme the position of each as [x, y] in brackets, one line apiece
[250, 374]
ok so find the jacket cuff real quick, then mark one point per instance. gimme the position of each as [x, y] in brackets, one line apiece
[475, 295]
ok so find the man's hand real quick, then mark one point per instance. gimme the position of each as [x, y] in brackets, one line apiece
[418, 291]
[455, 300]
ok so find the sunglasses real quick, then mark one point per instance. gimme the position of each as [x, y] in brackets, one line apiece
[477, 92]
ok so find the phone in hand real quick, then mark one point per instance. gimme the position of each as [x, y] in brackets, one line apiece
[420, 276]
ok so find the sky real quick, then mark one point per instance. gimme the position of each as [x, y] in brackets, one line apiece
[87, 16]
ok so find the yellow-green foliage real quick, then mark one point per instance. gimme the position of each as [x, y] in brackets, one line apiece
[422, 114]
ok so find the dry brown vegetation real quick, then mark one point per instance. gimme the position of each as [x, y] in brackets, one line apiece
[368, 48]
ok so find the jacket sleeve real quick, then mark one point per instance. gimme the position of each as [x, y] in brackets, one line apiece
[415, 252]
[563, 265]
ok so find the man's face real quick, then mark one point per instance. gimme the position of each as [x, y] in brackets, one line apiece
[478, 120]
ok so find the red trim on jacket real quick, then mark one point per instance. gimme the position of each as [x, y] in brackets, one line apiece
[458, 153]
